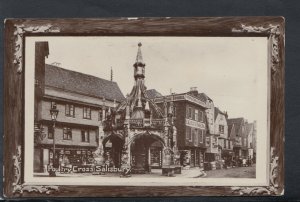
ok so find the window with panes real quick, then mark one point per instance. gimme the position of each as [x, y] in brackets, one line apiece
[67, 133]
[70, 110]
[221, 129]
[85, 136]
[86, 112]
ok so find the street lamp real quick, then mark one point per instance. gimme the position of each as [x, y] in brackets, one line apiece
[53, 113]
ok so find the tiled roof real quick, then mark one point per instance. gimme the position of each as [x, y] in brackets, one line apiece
[204, 97]
[218, 111]
[237, 122]
[230, 128]
[153, 93]
[248, 128]
[82, 83]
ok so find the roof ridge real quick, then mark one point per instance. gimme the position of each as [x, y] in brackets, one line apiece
[69, 70]
[82, 83]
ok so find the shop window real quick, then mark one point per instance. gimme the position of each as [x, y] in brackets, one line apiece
[50, 132]
[67, 133]
[86, 112]
[70, 110]
[85, 136]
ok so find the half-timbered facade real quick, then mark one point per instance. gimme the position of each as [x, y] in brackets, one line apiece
[81, 101]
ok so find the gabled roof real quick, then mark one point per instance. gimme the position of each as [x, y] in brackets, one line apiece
[237, 122]
[218, 111]
[82, 83]
[153, 93]
[230, 129]
[249, 128]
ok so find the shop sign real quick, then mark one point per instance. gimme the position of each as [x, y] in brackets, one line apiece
[194, 124]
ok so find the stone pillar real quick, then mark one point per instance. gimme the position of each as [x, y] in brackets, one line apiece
[167, 157]
[168, 168]
[98, 154]
[125, 156]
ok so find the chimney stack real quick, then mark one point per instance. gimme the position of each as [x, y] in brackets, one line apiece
[194, 91]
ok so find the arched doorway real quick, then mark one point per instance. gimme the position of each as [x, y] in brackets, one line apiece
[140, 151]
[156, 149]
[112, 145]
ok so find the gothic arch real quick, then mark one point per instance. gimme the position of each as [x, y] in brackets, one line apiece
[112, 135]
[147, 135]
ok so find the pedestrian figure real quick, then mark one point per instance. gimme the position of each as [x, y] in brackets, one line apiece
[244, 162]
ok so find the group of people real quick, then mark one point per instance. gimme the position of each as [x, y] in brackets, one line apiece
[237, 162]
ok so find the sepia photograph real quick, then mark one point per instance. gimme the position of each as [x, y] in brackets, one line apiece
[159, 111]
[145, 106]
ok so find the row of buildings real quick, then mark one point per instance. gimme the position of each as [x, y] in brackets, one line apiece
[144, 130]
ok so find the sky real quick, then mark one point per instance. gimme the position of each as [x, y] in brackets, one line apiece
[232, 71]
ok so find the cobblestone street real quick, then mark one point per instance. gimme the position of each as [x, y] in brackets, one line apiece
[237, 172]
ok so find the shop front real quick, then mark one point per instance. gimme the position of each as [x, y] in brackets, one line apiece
[197, 157]
[193, 157]
[65, 157]
[227, 157]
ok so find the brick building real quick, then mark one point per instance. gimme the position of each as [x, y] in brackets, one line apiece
[82, 101]
[190, 121]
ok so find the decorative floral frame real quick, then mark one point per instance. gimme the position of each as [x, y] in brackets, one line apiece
[17, 29]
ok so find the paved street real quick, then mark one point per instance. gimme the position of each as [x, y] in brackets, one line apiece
[238, 172]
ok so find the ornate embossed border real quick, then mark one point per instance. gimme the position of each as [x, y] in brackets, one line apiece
[17, 29]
